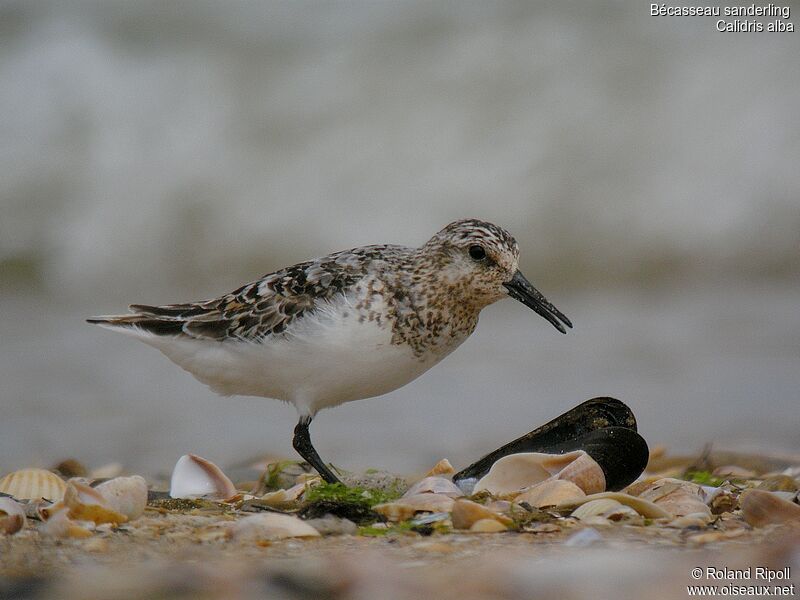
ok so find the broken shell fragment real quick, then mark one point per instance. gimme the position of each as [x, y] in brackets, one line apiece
[331, 525]
[487, 526]
[435, 485]
[88, 504]
[761, 508]
[271, 526]
[516, 472]
[596, 508]
[550, 493]
[59, 525]
[125, 495]
[406, 507]
[643, 507]
[443, 467]
[733, 472]
[284, 498]
[196, 477]
[32, 484]
[12, 516]
[585, 473]
[678, 497]
[697, 520]
[107, 471]
[779, 483]
[466, 513]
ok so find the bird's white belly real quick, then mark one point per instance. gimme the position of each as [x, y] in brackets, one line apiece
[323, 359]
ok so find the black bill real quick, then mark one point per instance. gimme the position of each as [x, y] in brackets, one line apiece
[521, 289]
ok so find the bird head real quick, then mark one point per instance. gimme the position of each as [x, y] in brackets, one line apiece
[479, 262]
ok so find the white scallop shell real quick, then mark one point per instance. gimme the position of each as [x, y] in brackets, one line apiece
[32, 484]
[195, 477]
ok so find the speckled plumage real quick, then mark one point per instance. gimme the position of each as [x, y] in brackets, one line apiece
[347, 326]
[423, 306]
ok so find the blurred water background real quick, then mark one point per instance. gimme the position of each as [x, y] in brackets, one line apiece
[161, 152]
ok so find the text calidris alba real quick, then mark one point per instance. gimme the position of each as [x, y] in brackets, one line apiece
[347, 326]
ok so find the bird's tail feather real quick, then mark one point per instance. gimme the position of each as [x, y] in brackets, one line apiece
[141, 322]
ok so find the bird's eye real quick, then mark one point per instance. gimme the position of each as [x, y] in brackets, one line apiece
[477, 252]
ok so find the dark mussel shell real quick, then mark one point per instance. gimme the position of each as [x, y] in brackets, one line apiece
[621, 453]
[604, 427]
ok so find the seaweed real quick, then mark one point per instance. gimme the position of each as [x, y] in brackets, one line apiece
[338, 492]
[703, 478]
[354, 503]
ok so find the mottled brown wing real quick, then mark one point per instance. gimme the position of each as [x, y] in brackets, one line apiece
[259, 309]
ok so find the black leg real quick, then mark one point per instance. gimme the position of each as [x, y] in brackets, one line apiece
[302, 443]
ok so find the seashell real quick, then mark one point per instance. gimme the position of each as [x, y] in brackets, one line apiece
[599, 521]
[59, 525]
[406, 507]
[12, 516]
[435, 485]
[308, 478]
[788, 496]
[443, 467]
[585, 473]
[645, 508]
[680, 498]
[585, 537]
[640, 485]
[195, 477]
[487, 526]
[719, 500]
[567, 429]
[733, 472]
[88, 504]
[125, 495]
[622, 513]
[596, 508]
[107, 471]
[270, 526]
[692, 520]
[550, 493]
[284, 498]
[32, 484]
[498, 506]
[467, 486]
[466, 513]
[70, 468]
[516, 472]
[542, 528]
[779, 483]
[761, 508]
[331, 525]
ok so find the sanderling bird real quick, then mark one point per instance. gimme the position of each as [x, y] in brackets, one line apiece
[347, 326]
